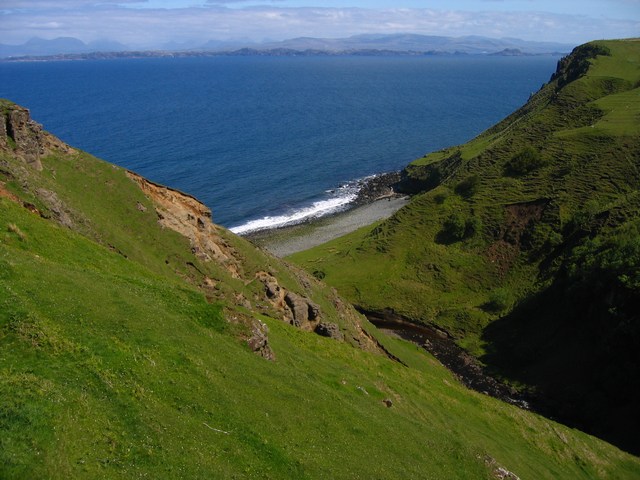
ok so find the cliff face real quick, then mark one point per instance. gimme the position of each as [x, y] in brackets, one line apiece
[25, 138]
[184, 214]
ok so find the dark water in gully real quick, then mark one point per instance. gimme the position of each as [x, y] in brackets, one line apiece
[268, 140]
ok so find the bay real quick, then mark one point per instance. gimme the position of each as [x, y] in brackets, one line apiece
[266, 140]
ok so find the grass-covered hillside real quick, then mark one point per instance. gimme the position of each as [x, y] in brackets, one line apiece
[139, 340]
[524, 243]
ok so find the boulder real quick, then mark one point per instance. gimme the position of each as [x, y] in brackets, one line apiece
[331, 330]
[302, 309]
[259, 341]
[57, 207]
[299, 308]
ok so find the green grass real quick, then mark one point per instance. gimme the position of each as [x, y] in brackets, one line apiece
[111, 371]
[623, 113]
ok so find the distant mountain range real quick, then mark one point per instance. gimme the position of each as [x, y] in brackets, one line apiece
[366, 43]
[61, 45]
[405, 42]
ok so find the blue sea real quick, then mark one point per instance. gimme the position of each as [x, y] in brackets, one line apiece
[264, 141]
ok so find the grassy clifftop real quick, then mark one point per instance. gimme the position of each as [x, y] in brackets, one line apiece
[523, 243]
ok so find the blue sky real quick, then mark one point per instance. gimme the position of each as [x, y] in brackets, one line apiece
[152, 23]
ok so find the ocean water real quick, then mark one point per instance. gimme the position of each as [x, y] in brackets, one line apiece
[264, 141]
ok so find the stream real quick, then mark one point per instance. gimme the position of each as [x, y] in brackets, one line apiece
[442, 346]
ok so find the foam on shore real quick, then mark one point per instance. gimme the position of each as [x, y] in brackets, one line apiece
[287, 241]
[340, 199]
[315, 210]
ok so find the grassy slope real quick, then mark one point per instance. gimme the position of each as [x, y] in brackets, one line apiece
[110, 370]
[106, 207]
[115, 364]
[487, 232]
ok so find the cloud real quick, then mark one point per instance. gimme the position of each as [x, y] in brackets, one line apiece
[149, 27]
[60, 4]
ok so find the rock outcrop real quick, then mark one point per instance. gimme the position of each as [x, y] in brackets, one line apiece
[330, 330]
[302, 309]
[58, 209]
[377, 187]
[25, 138]
[259, 341]
[184, 214]
[297, 309]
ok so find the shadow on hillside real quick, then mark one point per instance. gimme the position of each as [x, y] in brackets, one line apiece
[579, 356]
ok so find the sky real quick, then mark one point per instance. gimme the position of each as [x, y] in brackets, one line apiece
[155, 23]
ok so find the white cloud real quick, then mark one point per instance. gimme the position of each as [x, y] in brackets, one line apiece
[33, 5]
[149, 27]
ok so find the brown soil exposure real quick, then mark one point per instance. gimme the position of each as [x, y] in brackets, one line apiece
[519, 217]
[184, 214]
[4, 193]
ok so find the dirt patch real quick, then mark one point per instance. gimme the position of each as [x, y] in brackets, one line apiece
[519, 218]
[503, 255]
[4, 193]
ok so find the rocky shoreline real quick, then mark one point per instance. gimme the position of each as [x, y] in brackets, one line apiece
[377, 187]
[376, 200]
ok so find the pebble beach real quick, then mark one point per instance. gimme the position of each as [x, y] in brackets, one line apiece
[285, 241]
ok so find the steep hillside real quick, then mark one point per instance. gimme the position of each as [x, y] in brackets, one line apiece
[138, 339]
[164, 230]
[524, 245]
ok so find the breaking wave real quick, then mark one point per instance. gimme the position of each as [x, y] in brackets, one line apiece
[339, 200]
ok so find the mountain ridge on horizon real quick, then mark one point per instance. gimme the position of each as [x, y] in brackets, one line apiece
[396, 42]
